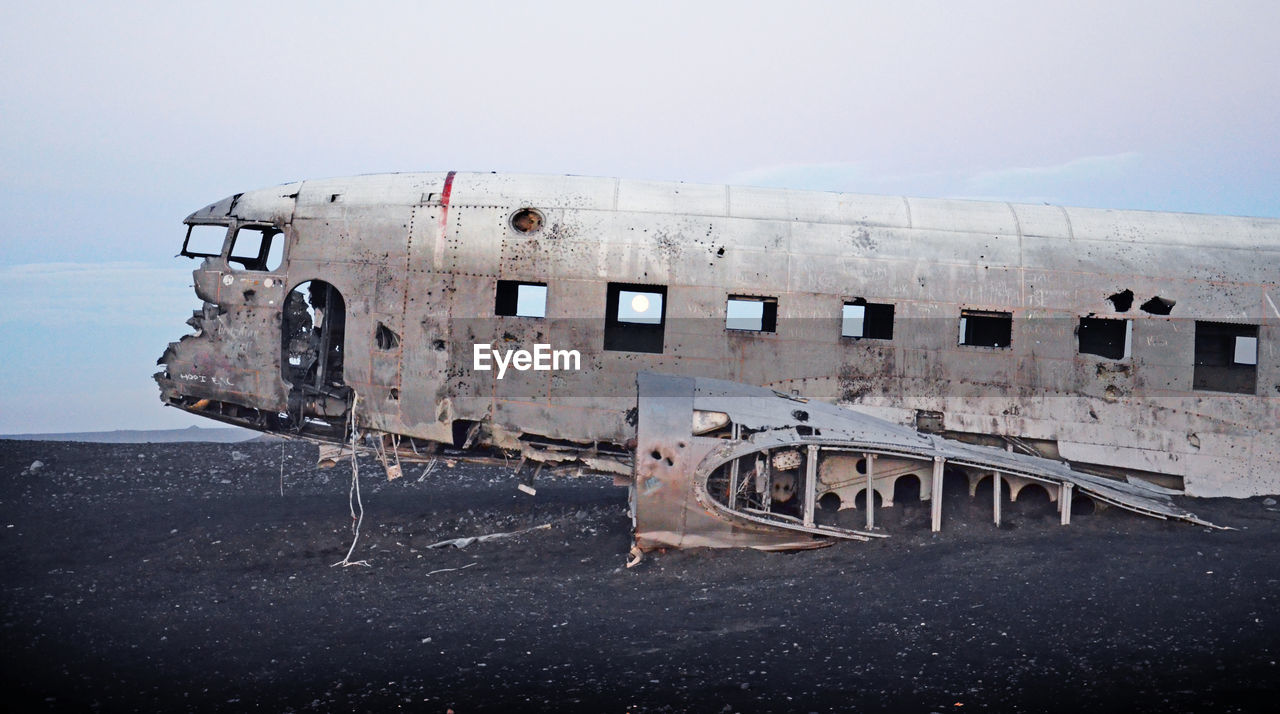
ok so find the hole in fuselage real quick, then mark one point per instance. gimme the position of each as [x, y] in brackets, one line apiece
[1122, 300]
[526, 220]
[386, 338]
[461, 430]
[1158, 306]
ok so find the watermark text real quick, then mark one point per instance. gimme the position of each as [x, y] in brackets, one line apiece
[541, 359]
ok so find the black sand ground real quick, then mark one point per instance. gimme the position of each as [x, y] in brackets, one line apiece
[176, 577]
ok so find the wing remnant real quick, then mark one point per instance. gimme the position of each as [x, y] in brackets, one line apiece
[756, 482]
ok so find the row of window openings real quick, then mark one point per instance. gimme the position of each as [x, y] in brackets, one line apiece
[260, 248]
[644, 305]
[1226, 354]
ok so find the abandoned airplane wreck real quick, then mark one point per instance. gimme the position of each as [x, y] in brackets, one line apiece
[746, 360]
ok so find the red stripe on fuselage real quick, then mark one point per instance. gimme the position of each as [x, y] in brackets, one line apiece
[444, 200]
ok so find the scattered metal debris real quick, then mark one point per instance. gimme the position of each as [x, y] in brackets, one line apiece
[449, 570]
[464, 542]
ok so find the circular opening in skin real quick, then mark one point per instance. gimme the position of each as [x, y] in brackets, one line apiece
[526, 220]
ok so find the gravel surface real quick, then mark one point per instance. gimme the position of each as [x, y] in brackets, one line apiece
[177, 577]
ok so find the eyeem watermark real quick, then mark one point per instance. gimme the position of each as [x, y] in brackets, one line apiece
[541, 359]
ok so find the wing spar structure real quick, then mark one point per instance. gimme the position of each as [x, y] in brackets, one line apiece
[723, 464]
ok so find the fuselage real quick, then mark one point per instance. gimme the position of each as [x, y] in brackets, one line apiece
[1129, 341]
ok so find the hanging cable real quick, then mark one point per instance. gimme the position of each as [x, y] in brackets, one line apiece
[353, 496]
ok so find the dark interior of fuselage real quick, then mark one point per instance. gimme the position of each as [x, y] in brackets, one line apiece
[313, 326]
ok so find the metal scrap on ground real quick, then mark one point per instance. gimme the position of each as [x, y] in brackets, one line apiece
[464, 542]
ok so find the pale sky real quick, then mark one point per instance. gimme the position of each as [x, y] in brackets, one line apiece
[120, 119]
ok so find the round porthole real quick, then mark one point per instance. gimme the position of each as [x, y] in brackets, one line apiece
[526, 220]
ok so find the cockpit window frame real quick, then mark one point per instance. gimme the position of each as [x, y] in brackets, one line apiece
[226, 228]
[269, 250]
[261, 262]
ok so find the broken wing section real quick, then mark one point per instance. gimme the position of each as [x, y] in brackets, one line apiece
[666, 506]
[721, 464]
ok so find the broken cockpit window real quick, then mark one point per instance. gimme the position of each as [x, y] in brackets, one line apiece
[257, 248]
[519, 299]
[204, 241]
[635, 317]
[751, 314]
[1226, 357]
[867, 319]
[1105, 337]
[980, 328]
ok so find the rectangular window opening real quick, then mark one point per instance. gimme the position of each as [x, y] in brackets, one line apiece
[980, 328]
[1226, 357]
[515, 298]
[869, 320]
[257, 248]
[204, 241]
[751, 314]
[1105, 337]
[635, 317]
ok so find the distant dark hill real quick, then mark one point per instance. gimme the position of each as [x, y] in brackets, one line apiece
[220, 435]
